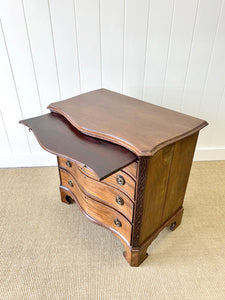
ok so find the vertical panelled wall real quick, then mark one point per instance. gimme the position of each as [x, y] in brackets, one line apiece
[167, 52]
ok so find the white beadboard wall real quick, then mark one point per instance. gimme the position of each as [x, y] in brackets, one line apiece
[167, 52]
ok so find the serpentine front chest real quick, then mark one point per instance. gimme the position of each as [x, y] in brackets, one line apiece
[124, 162]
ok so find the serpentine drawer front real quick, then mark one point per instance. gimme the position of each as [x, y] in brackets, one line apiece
[99, 191]
[94, 209]
[124, 162]
[120, 180]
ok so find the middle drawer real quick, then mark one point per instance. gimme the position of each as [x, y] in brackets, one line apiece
[98, 190]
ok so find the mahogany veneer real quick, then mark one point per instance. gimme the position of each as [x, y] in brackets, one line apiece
[125, 162]
[141, 127]
[56, 135]
[100, 191]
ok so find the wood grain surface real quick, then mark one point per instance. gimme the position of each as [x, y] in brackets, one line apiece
[96, 211]
[129, 183]
[154, 193]
[56, 135]
[179, 174]
[98, 190]
[141, 127]
[128, 188]
[167, 176]
[131, 170]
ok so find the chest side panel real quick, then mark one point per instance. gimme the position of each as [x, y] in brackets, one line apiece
[154, 193]
[165, 185]
[179, 174]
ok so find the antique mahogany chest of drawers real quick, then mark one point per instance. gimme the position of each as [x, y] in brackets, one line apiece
[124, 162]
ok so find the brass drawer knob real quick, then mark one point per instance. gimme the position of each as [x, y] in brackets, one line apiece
[70, 183]
[68, 163]
[120, 180]
[119, 200]
[117, 222]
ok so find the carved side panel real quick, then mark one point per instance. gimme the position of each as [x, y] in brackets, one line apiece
[139, 198]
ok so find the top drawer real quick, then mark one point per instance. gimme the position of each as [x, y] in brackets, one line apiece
[119, 180]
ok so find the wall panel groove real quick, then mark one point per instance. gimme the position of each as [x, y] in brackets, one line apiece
[203, 41]
[39, 29]
[4, 138]
[214, 86]
[112, 26]
[180, 43]
[123, 64]
[11, 74]
[100, 40]
[167, 55]
[189, 57]
[136, 17]
[53, 42]
[160, 17]
[210, 59]
[77, 54]
[146, 47]
[87, 13]
[65, 45]
[32, 59]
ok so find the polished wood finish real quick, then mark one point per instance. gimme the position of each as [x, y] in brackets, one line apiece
[131, 170]
[96, 211]
[141, 127]
[139, 199]
[66, 197]
[128, 188]
[165, 180]
[83, 168]
[179, 174]
[139, 193]
[98, 191]
[176, 220]
[158, 172]
[56, 135]
[136, 255]
[167, 175]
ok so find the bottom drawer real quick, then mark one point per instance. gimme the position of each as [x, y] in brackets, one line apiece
[98, 212]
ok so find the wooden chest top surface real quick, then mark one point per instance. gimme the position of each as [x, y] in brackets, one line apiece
[141, 127]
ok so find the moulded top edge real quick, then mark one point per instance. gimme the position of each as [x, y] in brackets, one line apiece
[141, 127]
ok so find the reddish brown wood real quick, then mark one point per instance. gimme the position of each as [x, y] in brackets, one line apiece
[153, 193]
[96, 211]
[68, 199]
[139, 199]
[136, 255]
[176, 220]
[142, 127]
[163, 193]
[127, 188]
[131, 170]
[98, 191]
[152, 185]
[56, 135]
[179, 174]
